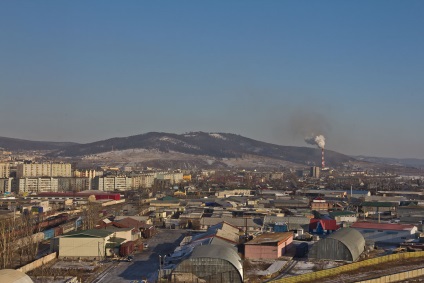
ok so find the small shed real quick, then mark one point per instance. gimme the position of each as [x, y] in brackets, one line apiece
[268, 246]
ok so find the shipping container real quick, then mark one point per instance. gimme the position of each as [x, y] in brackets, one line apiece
[126, 248]
[302, 250]
[68, 227]
[78, 223]
[58, 231]
[48, 234]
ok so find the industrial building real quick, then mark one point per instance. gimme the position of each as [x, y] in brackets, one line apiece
[346, 244]
[93, 244]
[268, 246]
[385, 233]
[210, 263]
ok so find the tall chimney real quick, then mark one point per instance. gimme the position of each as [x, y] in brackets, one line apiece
[322, 158]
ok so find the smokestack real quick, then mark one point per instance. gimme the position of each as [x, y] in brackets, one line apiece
[320, 142]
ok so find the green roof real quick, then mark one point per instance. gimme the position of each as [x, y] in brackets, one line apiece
[379, 204]
[115, 242]
[92, 233]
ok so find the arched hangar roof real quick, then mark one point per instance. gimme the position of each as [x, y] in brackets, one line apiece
[352, 239]
[14, 276]
[219, 252]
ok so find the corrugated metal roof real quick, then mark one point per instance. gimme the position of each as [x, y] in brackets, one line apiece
[97, 233]
[219, 252]
[382, 226]
[379, 204]
[352, 239]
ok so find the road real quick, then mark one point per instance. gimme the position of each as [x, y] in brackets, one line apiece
[145, 265]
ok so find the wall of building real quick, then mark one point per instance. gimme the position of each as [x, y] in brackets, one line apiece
[4, 170]
[44, 170]
[387, 236]
[82, 247]
[5, 185]
[267, 252]
[36, 185]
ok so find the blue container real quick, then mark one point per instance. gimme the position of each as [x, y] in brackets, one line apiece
[281, 228]
[48, 234]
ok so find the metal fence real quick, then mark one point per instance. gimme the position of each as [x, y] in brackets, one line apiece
[347, 268]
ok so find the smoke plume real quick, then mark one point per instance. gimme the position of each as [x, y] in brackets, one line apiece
[317, 140]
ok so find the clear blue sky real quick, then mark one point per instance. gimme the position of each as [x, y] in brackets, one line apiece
[274, 71]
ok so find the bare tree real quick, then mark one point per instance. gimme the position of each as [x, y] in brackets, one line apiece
[7, 230]
[91, 215]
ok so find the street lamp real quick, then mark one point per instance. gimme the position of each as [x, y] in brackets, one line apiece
[160, 267]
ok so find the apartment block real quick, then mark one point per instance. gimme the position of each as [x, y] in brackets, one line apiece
[4, 170]
[5, 185]
[143, 181]
[44, 170]
[114, 183]
[36, 185]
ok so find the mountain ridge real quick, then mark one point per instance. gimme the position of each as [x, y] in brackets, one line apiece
[218, 145]
[15, 144]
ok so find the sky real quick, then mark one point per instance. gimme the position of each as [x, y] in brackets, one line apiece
[274, 71]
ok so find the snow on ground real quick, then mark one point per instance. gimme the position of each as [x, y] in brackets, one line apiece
[275, 267]
[217, 136]
[303, 267]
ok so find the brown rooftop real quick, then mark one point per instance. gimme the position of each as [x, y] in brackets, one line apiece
[269, 238]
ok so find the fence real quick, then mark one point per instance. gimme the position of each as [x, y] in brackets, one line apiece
[37, 263]
[348, 267]
[398, 277]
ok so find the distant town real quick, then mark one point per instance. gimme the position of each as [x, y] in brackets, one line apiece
[78, 221]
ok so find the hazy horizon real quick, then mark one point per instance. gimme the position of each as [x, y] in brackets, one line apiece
[273, 71]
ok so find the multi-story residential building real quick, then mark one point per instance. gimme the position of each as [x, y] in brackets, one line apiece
[74, 184]
[174, 178]
[145, 180]
[4, 170]
[85, 174]
[320, 204]
[5, 185]
[36, 185]
[44, 170]
[112, 183]
[315, 170]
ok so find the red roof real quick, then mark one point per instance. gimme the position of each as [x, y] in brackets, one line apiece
[326, 224]
[382, 226]
[128, 223]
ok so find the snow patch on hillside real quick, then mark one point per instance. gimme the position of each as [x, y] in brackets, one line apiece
[217, 136]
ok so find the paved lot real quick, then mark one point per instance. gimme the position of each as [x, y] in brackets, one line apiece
[145, 265]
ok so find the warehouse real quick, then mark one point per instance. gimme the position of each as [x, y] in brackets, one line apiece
[345, 244]
[86, 244]
[385, 233]
[210, 263]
